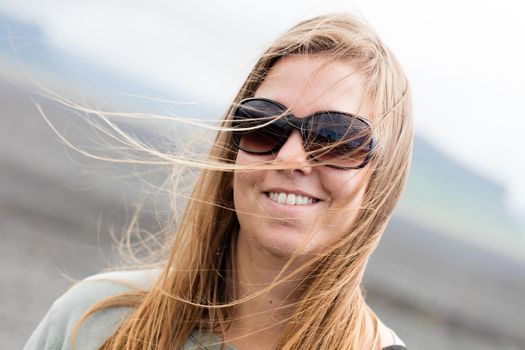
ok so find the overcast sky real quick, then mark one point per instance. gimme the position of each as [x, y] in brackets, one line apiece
[465, 59]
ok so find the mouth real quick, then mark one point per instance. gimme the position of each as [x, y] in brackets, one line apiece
[291, 198]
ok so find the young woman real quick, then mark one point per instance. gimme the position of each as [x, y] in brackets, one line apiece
[304, 173]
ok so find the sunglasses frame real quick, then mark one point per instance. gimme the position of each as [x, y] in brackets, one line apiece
[298, 124]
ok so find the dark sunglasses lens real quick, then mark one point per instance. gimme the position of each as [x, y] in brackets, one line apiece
[339, 140]
[262, 138]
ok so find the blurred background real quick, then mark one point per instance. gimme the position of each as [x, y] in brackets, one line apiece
[450, 271]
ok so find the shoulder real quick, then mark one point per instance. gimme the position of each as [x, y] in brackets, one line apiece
[389, 338]
[55, 329]
[141, 279]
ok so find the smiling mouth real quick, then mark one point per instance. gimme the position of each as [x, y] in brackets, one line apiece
[290, 198]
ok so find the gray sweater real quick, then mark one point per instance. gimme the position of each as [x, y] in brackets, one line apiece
[54, 331]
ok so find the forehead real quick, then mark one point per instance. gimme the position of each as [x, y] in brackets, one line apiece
[307, 84]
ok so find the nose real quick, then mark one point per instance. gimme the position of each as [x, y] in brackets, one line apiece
[293, 156]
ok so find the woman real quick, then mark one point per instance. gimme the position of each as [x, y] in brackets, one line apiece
[272, 254]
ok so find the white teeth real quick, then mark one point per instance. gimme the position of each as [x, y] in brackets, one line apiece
[290, 198]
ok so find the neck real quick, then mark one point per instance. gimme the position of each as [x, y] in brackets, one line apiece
[262, 317]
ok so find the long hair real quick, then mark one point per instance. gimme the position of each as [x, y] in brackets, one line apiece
[195, 287]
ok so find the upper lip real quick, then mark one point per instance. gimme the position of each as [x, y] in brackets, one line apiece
[302, 193]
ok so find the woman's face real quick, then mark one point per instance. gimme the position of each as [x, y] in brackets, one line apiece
[281, 228]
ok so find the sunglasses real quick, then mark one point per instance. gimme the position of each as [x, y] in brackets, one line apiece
[336, 139]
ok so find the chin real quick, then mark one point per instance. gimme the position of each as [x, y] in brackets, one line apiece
[286, 242]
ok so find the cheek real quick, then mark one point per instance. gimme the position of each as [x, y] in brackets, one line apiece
[245, 180]
[239, 179]
[246, 199]
[346, 193]
[240, 185]
[246, 184]
[345, 186]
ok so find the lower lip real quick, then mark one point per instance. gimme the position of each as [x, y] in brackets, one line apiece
[288, 207]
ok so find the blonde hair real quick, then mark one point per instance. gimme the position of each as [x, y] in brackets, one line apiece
[194, 289]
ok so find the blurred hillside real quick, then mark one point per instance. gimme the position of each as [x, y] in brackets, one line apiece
[444, 194]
